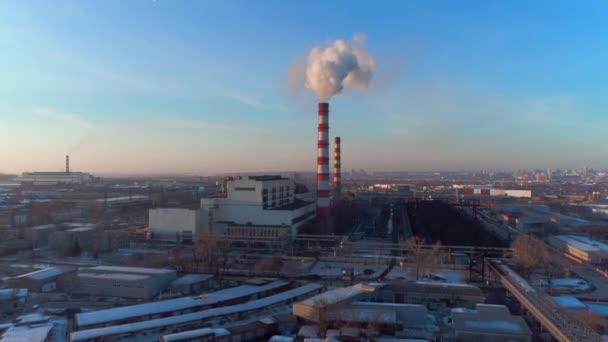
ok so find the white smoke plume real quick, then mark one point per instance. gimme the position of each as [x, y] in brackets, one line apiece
[340, 65]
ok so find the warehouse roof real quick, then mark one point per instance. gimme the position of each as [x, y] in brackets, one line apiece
[46, 273]
[192, 334]
[170, 305]
[121, 269]
[335, 296]
[159, 323]
[114, 276]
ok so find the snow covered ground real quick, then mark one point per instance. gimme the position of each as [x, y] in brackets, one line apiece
[567, 284]
[441, 275]
[599, 308]
[570, 303]
[331, 269]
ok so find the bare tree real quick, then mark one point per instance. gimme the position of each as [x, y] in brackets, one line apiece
[423, 260]
[530, 253]
[206, 251]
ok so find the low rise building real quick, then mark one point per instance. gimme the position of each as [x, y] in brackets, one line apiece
[128, 282]
[489, 323]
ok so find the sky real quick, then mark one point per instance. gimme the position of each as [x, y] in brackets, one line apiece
[202, 86]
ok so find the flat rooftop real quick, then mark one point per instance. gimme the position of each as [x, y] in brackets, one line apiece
[266, 177]
[114, 276]
[45, 273]
[123, 269]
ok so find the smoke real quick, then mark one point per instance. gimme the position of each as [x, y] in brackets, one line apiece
[340, 65]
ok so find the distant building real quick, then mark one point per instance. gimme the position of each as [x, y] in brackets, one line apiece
[487, 190]
[256, 208]
[54, 178]
[128, 282]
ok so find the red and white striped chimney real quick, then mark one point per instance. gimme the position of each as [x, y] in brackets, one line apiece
[323, 187]
[337, 172]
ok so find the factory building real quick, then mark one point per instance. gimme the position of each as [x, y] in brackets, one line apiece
[127, 282]
[256, 207]
[487, 190]
[46, 280]
[55, 178]
[581, 247]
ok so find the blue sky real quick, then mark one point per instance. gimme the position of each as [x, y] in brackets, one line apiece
[201, 86]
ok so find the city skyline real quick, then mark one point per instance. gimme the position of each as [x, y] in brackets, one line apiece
[203, 87]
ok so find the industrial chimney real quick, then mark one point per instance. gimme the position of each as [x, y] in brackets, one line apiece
[337, 172]
[323, 187]
[67, 164]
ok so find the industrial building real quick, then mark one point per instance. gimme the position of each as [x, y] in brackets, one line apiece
[489, 323]
[55, 178]
[487, 190]
[127, 282]
[581, 247]
[46, 280]
[256, 207]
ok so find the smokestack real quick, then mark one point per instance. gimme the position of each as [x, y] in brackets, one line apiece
[337, 172]
[67, 164]
[323, 187]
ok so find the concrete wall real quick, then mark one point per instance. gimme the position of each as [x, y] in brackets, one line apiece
[171, 223]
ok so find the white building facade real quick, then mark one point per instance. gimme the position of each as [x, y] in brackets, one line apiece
[261, 207]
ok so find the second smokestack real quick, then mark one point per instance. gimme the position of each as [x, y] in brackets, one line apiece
[337, 170]
[323, 187]
[67, 164]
